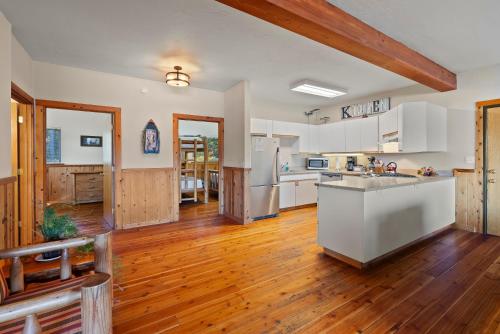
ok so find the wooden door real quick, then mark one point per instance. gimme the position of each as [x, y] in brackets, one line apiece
[108, 178]
[23, 232]
[25, 172]
[11, 231]
[493, 160]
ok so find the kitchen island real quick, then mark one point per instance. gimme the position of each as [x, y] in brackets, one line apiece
[361, 220]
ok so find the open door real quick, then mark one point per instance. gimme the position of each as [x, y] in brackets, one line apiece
[493, 167]
[108, 171]
[22, 233]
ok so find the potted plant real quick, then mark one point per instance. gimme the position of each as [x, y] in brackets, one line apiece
[56, 227]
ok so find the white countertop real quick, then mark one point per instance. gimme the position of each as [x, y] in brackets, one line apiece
[379, 183]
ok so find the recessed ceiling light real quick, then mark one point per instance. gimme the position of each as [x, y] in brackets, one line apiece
[316, 88]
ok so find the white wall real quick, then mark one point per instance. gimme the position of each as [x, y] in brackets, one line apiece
[22, 67]
[279, 111]
[198, 128]
[478, 85]
[73, 124]
[55, 82]
[237, 126]
[5, 78]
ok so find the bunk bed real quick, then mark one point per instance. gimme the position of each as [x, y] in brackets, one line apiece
[193, 174]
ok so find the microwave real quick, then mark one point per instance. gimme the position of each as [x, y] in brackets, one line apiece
[317, 163]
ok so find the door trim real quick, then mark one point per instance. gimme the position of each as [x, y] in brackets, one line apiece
[176, 162]
[41, 124]
[25, 212]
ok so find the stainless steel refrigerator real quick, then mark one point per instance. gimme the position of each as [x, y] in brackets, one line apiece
[264, 178]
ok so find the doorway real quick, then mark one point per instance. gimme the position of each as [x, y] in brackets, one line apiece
[22, 232]
[491, 165]
[198, 160]
[79, 154]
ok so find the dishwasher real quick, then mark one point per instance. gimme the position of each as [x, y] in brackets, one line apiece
[330, 176]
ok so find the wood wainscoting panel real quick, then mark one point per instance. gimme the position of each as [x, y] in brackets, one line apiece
[236, 194]
[468, 201]
[147, 196]
[8, 230]
[60, 180]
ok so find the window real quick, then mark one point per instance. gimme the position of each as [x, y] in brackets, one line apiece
[53, 146]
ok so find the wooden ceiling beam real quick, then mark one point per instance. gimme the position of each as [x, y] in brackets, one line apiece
[329, 25]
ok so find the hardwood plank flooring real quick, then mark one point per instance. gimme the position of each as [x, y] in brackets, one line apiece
[88, 217]
[205, 274]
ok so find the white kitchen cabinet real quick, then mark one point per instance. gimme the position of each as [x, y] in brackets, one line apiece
[262, 127]
[413, 127]
[352, 135]
[314, 139]
[303, 134]
[287, 194]
[306, 192]
[281, 128]
[332, 137]
[369, 134]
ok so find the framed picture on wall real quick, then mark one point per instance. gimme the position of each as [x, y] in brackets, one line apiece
[91, 141]
[151, 138]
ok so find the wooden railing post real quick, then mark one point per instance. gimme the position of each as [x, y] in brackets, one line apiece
[103, 256]
[16, 275]
[97, 304]
[31, 325]
[65, 265]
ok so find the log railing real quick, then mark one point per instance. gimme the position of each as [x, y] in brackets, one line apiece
[95, 300]
[102, 252]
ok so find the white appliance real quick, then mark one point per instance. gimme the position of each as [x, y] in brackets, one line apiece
[264, 178]
[317, 163]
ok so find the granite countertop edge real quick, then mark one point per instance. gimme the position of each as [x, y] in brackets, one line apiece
[419, 180]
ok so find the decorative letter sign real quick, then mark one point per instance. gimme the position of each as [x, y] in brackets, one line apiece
[366, 109]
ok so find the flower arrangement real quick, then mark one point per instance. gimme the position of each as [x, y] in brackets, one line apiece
[427, 171]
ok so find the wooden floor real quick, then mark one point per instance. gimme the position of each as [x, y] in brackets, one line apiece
[88, 217]
[207, 275]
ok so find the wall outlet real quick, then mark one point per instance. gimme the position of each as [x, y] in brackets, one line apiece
[470, 159]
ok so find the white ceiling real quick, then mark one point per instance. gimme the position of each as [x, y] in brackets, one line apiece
[458, 34]
[220, 46]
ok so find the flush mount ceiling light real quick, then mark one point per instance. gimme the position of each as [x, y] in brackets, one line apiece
[317, 88]
[177, 78]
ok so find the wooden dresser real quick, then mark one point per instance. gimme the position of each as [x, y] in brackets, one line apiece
[87, 187]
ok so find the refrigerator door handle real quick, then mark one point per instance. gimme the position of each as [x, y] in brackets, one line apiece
[277, 165]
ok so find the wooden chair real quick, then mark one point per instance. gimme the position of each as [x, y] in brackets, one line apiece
[71, 305]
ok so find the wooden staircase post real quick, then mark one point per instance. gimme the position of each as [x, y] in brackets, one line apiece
[97, 304]
[31, 325]
[103, 255]
[16, 275]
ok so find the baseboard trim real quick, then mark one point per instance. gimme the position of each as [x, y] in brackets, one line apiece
[378, 260]
[312, 205]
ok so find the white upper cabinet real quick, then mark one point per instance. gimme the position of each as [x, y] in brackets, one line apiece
[408, 128]
[332, 137]
[369, 134]
[361, 135]
[414, 127]
[262, 127]
[314, 139]
[281, 128]
[352, 135]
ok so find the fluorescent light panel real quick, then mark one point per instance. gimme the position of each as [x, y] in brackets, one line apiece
[316, 88]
